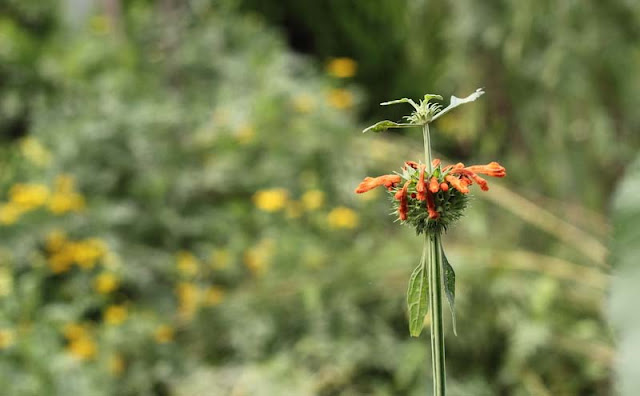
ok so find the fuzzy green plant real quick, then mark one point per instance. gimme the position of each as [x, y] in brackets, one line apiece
[430, 197]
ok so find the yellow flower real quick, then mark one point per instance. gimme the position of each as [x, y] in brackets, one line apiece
[82, 348]
[340, 98]
[164, 334]
[187, 263]
[188, 299]
[6, 281]
[116, 364]
[64, 198]
[342, 217]
[7, 338]
[115, 314]
[313, 199]
[10, 213]
[87, 252]
[214, 295]
[75, 331]
[220, 258]
[245, 134]
[66, 202]
[294, 209]
[100, 24]
[106, 282]
[258, 257]
[35, 152]
[303, 103]
[29, 196]
[271, 200]
[56, 240]
[342, 67]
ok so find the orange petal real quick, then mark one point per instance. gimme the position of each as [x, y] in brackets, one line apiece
[458, 184]
[444, 186]
[434, 186]
[431, 207]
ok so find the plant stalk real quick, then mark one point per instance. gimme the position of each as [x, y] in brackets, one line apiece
[433, 246]
[435, 302]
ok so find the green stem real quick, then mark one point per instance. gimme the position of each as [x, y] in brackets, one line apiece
[435, 302]
[432, 243]
[427, 147]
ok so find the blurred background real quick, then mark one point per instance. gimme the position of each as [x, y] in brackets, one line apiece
[177, 215]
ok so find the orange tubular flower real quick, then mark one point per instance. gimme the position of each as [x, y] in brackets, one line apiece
[421, 187]
[492, 169]
[401, 195]
[434, 185]
[412, 164]
[457, 183]
[431, 207]
[444, 186]
[369, 183]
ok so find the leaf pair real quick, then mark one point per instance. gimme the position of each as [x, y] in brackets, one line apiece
[418, 293]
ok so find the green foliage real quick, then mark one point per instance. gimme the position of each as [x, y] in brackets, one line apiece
[450, 288]
[418, 295]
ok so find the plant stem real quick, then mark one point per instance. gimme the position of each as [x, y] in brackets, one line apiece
[432, 244]
[437, 331]
[427, 146]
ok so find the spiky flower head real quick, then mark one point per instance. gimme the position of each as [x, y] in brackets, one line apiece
[431, 201]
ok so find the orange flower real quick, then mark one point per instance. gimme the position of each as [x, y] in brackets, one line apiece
[444, 186]
[457, 183]
[412, 164]
[401, 195]
[421, 187]
[492, 169]
[434, 185]
[369, 183]
[431, 207]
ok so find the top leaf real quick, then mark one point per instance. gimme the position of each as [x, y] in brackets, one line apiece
[384, 125]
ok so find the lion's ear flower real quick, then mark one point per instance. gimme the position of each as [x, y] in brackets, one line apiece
[431, 200]
[369, 183]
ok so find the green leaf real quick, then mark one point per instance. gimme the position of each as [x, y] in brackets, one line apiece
[403, 100]
[450, 288]
[428, 97]
[384, 125]
[418, 297]
[455, 102]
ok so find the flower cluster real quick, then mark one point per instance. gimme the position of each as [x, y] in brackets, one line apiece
[431, 199]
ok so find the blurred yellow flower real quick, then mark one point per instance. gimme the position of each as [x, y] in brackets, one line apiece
[303, 103]
[106, 282]
[245, 134]
[75, 331]
[214, 295]
[82, 348]
[164, 334]
[220, 259]
[116, 364]
[313, 199]
[29, 196]
[258, 257]
[87, 252]
[64, 198]
[66, 202]
[100, 24]
[188, 299]
[115, 314]
[7, 338]
[342, 67]
[342, 217]
[271, 200]
[294, 209]
[340, 98]
[35, 152]
[6, 281]
[10, 213]
[187, 263]
[56, 240]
